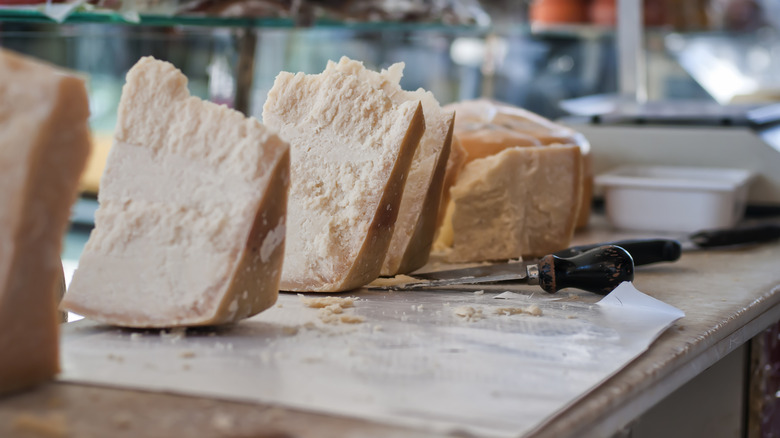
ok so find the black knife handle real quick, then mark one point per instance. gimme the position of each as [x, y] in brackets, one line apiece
[598, 270]
[643, 251]
[736, 236]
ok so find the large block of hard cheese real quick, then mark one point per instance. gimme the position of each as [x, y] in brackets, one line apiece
[485, 128]
[44, 144]
[191, 224]
[519, 202]
[351, 152]
[416, 224]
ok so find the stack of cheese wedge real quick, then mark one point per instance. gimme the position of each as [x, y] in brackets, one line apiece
[520, 185]
[364, 195]
[195, 215]
[44, 144]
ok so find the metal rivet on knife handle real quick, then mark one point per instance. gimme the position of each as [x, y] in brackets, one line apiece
[532, 274]
[599, 270]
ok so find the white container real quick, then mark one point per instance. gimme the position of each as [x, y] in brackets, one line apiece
[676, 199]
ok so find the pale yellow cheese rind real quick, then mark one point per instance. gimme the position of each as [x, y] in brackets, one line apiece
[416, 224]
[520, 202]
[351, 152]
[191, 224]
[44, 145]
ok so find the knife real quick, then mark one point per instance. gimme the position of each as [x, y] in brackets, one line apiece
[647, 251]
[597, 270]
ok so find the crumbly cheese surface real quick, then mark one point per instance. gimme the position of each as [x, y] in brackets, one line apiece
[192, 211]
[351, 148]
[422, 192]
[44, 144]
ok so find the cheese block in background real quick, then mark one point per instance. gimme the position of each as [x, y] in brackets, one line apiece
[416, 224]
[351, 151]
[191, 223]
[515, 203]
[533, 224]
[44, 144]
[485, 128]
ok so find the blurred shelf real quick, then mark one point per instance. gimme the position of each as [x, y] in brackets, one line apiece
[37, 15]
[571, 30]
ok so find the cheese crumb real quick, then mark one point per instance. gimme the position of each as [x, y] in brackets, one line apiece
[331, 309]
[469, 313]
[479, 292]
[187, 354]
[398, 280]
[351, 319]
[52, 425]
[319, 303]
[533, 309]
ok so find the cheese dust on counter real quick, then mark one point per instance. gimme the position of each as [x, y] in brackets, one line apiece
[416, 223]
[351, 152]
[331, 309]
[191, 224]
[44, 145]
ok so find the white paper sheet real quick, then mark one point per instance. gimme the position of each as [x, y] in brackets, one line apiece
[413, 361]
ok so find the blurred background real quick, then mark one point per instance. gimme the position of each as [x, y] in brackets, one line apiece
[533, 54]
[548, 56]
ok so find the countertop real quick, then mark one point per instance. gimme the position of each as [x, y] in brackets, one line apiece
[728, 297]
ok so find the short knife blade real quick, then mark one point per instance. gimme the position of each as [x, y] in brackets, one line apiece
[478, 274]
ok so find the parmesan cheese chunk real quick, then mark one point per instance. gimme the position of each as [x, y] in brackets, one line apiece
[485, 128]
[191, 224]
[519, 202]
[351, 152]
[416, 223]
[44, 145]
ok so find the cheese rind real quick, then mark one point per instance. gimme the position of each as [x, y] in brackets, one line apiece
[416, 223]
[190, 228]
[516, 203]
[44, 145]
[351, 152]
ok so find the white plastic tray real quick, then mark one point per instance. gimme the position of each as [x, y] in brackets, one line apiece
[674, 199]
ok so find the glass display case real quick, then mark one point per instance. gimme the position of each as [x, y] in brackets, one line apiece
[234, 60]
[508, 51]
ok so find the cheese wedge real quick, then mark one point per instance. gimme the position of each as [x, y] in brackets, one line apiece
[485, 128]
[416, 223]
[191, 224]
[519, 202]
[351, 152]
[44, 145]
